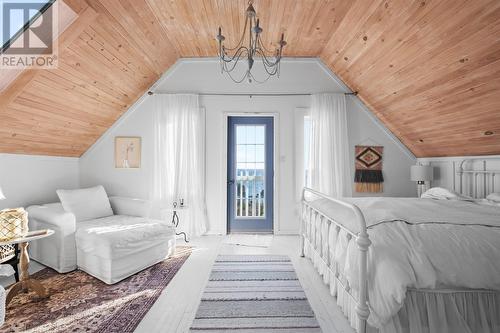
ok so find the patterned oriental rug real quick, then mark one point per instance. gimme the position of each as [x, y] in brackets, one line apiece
[254, 293]
[82, 303]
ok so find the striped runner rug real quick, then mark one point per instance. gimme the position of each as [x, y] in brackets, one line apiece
[254, 294]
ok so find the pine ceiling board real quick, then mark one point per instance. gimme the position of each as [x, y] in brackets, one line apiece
[120, 50]
[96, 62]
[70, 69]
[78, 102]
[426, 63]
[450, 66]
[136, 22]
[76, 5]
[429, 70]
[314, 22]
[450, 95]
[19, 113]
[60, 133]
[85, 87]
[450, 53]
[63, 84]
[21, 144]
[386, 24]
[98, 79]
[48, 110]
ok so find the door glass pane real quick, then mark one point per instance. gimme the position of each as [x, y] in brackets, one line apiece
[250, 171]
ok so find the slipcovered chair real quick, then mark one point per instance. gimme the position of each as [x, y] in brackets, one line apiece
[109, 239]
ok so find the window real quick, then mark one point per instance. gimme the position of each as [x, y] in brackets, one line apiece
[250, 170]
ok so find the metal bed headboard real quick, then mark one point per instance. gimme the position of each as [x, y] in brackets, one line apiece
[475, 178]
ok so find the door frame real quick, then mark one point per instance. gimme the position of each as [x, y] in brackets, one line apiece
[225, 119]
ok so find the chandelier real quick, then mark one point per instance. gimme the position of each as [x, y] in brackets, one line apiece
[249, 48]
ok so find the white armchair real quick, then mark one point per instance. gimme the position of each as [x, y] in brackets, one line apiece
[130, 206]
[59, 252]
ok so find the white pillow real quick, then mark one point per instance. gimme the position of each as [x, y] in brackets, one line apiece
[440, 193]
[494, 197]
[87, 203]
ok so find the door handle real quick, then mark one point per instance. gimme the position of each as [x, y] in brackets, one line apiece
[230, 182]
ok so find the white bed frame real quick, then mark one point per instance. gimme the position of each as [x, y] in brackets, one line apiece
[310, 216]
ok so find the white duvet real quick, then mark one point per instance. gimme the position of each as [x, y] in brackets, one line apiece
[420, 243]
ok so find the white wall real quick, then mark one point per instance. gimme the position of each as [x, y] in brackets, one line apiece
[203, 76]
[28, 179]
[365, 129]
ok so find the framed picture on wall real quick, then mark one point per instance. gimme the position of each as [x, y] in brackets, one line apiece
[127, 152]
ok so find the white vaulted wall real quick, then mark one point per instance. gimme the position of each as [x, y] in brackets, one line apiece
[31, 179]
[203, 76]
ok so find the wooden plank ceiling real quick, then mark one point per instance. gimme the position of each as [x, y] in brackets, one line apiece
[430, 70]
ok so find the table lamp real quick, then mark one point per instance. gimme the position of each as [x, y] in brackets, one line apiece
[421, 174]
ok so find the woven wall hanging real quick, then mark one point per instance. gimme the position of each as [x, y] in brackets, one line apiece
[368, 163]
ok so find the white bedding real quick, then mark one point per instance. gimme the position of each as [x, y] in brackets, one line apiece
[119, 235]
[419, 243]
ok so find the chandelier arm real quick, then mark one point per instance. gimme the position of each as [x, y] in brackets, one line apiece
[235, 62]
[261, 44]
[250, 75]
[271, 70]
[236, 80]
[267, 61]
[242, 39]
[237, 55]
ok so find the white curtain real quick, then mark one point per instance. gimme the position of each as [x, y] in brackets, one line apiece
[179, 163]
[328, 164]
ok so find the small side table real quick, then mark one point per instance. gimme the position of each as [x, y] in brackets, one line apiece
[25, 283]
[175, 219]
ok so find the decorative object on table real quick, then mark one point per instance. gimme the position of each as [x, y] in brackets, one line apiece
[13, 223]
[271, 300]
[82, 303]
[26, 283]
[368, 176]
[255, 48]
[421, 174]
[127, 152]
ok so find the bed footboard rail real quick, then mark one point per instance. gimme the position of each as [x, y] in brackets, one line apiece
[311, 214]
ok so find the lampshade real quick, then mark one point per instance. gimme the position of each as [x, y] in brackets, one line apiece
[1, 194]
[421, 173]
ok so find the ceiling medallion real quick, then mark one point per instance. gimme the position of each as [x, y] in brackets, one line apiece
[250, 48]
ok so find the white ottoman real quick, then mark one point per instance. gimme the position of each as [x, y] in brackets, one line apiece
[115, 247]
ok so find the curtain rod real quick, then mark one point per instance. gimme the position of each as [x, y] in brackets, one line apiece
[355, 93]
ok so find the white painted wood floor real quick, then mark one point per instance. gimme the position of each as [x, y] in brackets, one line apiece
[176, 307]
